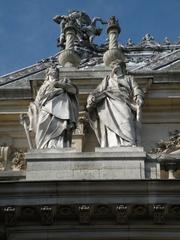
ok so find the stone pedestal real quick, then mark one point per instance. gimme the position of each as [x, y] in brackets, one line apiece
[122, 149]
[104, 164]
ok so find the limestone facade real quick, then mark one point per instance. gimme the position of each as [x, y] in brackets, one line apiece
[86, 192]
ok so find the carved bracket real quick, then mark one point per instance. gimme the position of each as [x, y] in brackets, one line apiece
[84, 212]
[10, 216]
[47, 215]
[159, 213]
[122, 213]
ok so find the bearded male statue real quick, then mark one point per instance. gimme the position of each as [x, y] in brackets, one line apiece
[114, 109]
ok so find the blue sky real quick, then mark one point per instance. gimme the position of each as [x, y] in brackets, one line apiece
[28, 34]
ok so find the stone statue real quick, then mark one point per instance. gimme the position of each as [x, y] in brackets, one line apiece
[114, 109]
[86, 28]
[54, 113]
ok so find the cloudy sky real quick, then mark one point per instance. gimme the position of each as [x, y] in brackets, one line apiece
[28, 34]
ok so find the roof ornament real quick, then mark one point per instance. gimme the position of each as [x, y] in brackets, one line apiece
[148, 41]
[77, 30]
[178, 41]
[85, 27]
[68, 57]
[166, 41]
[130, 43]
[114, 53]
[148, 38]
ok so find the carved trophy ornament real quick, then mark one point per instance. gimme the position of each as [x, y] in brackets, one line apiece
[85, 28]
[77, 31]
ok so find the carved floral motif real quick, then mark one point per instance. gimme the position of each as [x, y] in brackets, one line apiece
[18, 161]
[12, 158]
[169, 146]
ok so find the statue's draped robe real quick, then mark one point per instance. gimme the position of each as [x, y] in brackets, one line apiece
[58, 112]
[112, 116]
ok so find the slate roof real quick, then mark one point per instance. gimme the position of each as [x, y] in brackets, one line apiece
[142, 57]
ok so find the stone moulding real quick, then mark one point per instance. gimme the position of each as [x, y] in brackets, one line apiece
[123, 203]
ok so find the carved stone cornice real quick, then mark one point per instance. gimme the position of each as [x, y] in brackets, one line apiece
[51, 203]
[90, 214]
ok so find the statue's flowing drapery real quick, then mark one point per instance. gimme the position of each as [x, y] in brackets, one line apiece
[112, 115]
[57, 117]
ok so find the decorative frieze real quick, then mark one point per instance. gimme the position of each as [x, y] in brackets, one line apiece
[90, 214]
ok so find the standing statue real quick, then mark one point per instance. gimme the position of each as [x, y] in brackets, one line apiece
[54, 113]
[114, 109]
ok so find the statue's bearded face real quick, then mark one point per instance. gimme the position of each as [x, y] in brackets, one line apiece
[117, 70]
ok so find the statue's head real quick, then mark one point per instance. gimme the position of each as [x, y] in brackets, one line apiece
[118, 67]
[52, 73]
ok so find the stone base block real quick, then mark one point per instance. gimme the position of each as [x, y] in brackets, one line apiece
[152, 167]
[64, 165]
[127, 149]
